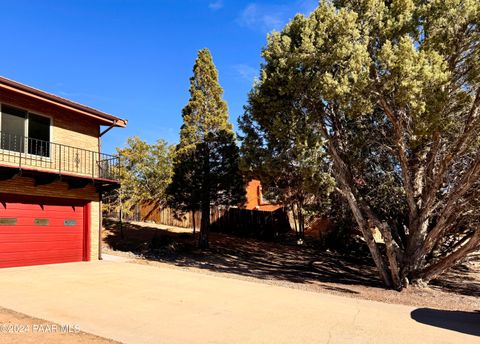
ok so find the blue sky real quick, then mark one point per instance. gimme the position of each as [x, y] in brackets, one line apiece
[133, 59]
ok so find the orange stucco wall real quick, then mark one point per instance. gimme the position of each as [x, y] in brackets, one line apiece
[255, 199]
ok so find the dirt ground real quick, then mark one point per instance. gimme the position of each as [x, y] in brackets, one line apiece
[284, 263]
[17, 328]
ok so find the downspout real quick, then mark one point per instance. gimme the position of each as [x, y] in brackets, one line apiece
[100, 226]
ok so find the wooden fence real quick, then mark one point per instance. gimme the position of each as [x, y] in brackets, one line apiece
[252, 223]
[166, 216]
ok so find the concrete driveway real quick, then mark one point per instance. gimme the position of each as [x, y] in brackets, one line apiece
[134, 303]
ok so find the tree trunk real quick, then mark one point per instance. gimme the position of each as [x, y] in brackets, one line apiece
[301, 223]
[414, 244]
[122, 236]
[205, 221]
[193, 222]
[204, 225]
[391, 255]
[294, 215]
[346, 188]
[369, 239]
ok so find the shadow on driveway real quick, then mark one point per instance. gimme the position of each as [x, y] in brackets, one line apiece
[464, 322]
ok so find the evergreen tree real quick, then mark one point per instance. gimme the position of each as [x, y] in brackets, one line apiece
[283, 150]
[206, 164]
[145, 172]
[393, 89]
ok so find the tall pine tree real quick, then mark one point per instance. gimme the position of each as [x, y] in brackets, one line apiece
[206, 169]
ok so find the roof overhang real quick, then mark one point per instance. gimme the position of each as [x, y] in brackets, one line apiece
[102, 117]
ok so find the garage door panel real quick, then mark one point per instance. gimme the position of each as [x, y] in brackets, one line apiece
[34, 246]
[40, 214]
[56, 231]
[42, 232]
[50, 254]
[54, 225]
[37, 261]
[9, 238]
[32, 213]
[39, 207]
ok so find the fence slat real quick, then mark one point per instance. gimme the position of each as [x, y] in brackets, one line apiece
[243, 222]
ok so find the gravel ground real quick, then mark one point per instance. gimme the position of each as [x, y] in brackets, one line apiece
[288, 265]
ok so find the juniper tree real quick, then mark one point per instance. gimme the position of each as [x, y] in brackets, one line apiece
[145, 172]
[281, 149]
[206, 164]
[394, 87]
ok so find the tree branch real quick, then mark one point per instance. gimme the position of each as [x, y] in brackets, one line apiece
[452, 259]
[399, 129]
[343, 176]
[458, 149]
[461, 187]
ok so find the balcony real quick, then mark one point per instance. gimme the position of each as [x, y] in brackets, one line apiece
[20, 154]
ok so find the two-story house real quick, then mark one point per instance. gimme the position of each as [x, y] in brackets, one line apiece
[52, 176]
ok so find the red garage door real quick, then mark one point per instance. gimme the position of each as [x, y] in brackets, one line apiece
[40, 231]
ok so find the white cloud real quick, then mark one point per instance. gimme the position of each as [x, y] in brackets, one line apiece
[265, 17]
[246, 72]
[216, 5]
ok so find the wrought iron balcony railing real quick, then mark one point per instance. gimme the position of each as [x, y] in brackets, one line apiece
[20, 151]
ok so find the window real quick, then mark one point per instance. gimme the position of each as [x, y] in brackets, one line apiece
[38, 135]
[8, 221]
[23, 131]
[13, 129]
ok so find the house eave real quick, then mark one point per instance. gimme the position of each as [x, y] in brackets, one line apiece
[102, 117]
